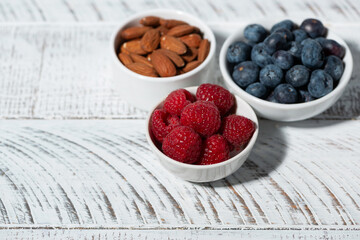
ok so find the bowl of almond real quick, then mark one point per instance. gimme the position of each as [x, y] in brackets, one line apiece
[158, 51]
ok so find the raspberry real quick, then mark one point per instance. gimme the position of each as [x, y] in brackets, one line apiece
[177, 100]
[202, 116]
[221, 97]
[216, 150]
[182, 144]
[238, 130]
[162, 123]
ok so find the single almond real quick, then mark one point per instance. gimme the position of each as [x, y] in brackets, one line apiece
[142, 69]
[150, 21]
[134, 46]
[191, 40]
[173, 44]
[163, 30]
[149, 57]
[125, 58]
[134, 32]
[150, 41]
[191, 65]
[163, 65]
[175, 58]
[180, 30]
[190, 55]
[140, 59]
[170, 23]
[123, 50]
[204, 49]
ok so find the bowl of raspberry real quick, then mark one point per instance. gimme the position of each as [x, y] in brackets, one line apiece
[286, 71]
[202, 134]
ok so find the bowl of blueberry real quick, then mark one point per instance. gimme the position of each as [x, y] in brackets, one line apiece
[285, 71]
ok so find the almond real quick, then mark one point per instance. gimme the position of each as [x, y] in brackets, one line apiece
[134, 32]
[150, 41]
[140, 59]
[125, 58]
[180, 30]
[134, 46]
[204, 49]
[163, 64]
[191, 40]
[176, 59]
[191, 65]
[123, 50]
[142, 69]
[190, 55]
[173, 44]
[163, 30]
[150, 21]
[170, 23]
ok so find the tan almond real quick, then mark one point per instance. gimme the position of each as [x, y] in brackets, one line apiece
[134, 46]
[190, 55]
[150, 41]
[191, 65]
[175, 58]
[140, 59]
[173, 44]
[170, 23]
[123, 50]
[142, 69]
[125, 58]
[180, 30]
[204, 49]
[134, 32]
[163, 30]
[163, 65]
[191, 40]
[150, 21]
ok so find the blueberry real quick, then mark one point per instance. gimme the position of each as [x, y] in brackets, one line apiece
[299, 35]
[334, 67]
[321, 40]
[274, 42]
[306, 40]
[304, 96]
[320, 84]
[313, 27]
[260, 56]
[297, 76]
[238, 52]
[295, 48]
[271, 98]
[245, 73]
[288, 24]
[285, 33]
[257, 89]
[271, 76]
[255, 33]
[285, 93]
[331, 47]
[283, 59]
[312, 55]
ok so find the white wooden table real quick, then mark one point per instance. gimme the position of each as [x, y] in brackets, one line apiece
[74, 162]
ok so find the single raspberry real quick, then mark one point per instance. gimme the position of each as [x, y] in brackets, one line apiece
[216, 150]
[221, 97]
[162, 123]
[202, 116]
[177, 100]
[182, 144]
[237, 130]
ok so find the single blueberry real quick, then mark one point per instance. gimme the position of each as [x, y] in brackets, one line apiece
[321, 40]
[274, 42]
[271, 98]
[305, 96]
[255, 33]
[306, 40]
[312, 55]
[288, 24]
[271, 76]
[260, 56]
[257, 89]
[285, 93]
[299, 35]
[332, 47]
[283, 59]
[295, 48]
[297, 76]
[250, 43]
[320, 83]
[285, 33]
[245, 73]
[238, 52]
[334, 66]
[313, 27]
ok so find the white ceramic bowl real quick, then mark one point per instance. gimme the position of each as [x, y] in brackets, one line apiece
[285, 112]
[142, 91]
[206, 173]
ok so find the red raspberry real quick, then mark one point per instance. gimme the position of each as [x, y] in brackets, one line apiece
[162, 123]
[202, 116]
[216, 150]
[182, 144]
[238, 130]
[177, 100]
[221, 97]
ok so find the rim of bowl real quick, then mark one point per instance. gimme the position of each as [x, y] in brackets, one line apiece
[248, 147]
[345, 78]
[158, 12]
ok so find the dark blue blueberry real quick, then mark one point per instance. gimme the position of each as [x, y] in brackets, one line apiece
[313, 27]
[271, 98]
[288, 24]
[283, 59]
[238, 52]
[271, 76]
[245, 73]
[312, 55]
[332, 47]
[285, 33]
[297, 76]
[255, 33]
[257, 89]
[306, 40]
[250, 43]
[260, 56]
[295, 48]
[285, 93]
[304, 96]
[320, 84]
[300, 35]
[274, 42]
[334, 66]
[321, 40]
